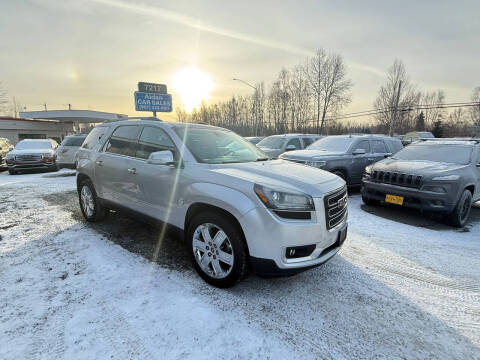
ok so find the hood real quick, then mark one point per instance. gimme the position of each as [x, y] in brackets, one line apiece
[31, 151]
[284, 175]
[416, 167]
[309, 154]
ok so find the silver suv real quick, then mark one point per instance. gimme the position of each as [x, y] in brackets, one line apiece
[238, 209]
[275, 145]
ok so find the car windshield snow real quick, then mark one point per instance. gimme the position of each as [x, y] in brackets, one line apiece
[272, 142]
[26, 145]
[218, 146]
[335, 144]
[453, 154]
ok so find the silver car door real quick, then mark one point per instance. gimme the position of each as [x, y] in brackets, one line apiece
[157, 184]
[111, 165]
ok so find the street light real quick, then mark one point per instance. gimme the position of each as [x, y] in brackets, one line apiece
[254, 102]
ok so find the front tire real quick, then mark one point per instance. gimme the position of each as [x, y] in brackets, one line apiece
[91, 207]
[12, 171]
[218, 249]
[459, 216]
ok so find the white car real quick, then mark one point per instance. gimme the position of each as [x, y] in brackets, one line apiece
[67, 151]
[275, 145]
[238, 209]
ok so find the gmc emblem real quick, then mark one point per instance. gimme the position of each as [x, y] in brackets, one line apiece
[342, 202]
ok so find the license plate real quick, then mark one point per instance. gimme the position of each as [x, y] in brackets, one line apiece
[394, 199]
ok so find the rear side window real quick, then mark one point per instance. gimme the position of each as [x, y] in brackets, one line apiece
[365, 145]
[395, 146]
[73, 141]
[123, 140]
[379, 147]
[94, 137]
[153, 139]
[295, 142]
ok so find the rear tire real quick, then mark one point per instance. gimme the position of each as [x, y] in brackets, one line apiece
[459, 216]
[90, 204]
[12, 171]
[210, 265]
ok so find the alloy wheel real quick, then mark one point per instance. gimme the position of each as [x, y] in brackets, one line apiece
[213, 250]
[88, 204]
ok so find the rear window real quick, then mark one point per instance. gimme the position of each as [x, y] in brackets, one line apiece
[94, 137]
[73, 141]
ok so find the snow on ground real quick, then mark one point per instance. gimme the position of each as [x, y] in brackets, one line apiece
[403, 286]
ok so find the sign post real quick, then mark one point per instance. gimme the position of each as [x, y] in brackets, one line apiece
[152, 97]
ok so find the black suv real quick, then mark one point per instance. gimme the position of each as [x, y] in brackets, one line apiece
[432, 175]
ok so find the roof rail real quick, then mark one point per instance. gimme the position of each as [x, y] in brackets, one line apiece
[476, 140]
[135, 118]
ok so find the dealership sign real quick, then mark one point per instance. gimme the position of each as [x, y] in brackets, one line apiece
[150, 101]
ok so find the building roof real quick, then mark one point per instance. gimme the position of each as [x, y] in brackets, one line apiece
[84, 116]
[9, 118]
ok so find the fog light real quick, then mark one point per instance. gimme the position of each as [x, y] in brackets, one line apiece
[299, 251]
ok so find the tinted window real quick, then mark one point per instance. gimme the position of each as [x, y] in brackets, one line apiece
[379, 147]
[94, 137]
[364, 144]
[307, 141]
[151, 140]
[295, 142]
[123, 140]
[73, 141]
[24, 145]
[453, 154]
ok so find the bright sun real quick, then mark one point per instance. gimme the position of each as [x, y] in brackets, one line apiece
[193, 86]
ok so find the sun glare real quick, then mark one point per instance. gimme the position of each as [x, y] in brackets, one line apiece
[193, 86]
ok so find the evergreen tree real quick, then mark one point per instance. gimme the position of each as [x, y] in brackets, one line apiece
[420, 124]
[438, 129]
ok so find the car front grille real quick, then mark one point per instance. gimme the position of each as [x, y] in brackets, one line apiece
[28, 158]
[335, 207]
[397, 178]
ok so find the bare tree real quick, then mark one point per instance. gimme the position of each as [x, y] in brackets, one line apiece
[4, 103]
[396, 90]
[475, 110]
[315, 73]
[431, 99]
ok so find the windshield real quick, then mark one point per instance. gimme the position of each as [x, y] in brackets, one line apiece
[25, 145]
[453, 154]
[214, 146]
[272, 142]
[332, 144]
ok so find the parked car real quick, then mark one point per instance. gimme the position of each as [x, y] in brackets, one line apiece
[439, 176]
[346, 155]
[255, 139]
[275, 145]
[237, 208]
[67, 151]
[413, 136]
[32, 154]
[5, 147]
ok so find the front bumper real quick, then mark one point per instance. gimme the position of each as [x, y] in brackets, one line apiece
[413, 197]
[269, 236]
[31, 165]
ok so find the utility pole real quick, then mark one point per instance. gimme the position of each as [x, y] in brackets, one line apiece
[254, 102]
[14, 107]
[45, 106]
[393, 117]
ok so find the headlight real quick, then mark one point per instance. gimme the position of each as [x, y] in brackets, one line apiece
[317, 164]
[368, 170]
[47, 156]
[446, 178]
[282, 200]
[9, 156]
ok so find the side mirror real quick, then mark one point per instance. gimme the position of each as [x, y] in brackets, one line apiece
[161, 158]
[478, 165]
[359, 152]
[386, 155]
[291, 147]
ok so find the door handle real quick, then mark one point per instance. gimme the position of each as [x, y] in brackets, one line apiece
[99, 162]
[132, 170]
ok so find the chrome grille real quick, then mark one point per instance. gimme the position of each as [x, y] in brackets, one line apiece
[396, 178]
[336, 204]
[29, 157]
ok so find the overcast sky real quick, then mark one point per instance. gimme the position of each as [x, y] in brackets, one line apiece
[92, 53]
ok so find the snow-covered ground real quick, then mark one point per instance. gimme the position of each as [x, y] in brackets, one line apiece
[403, 287]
